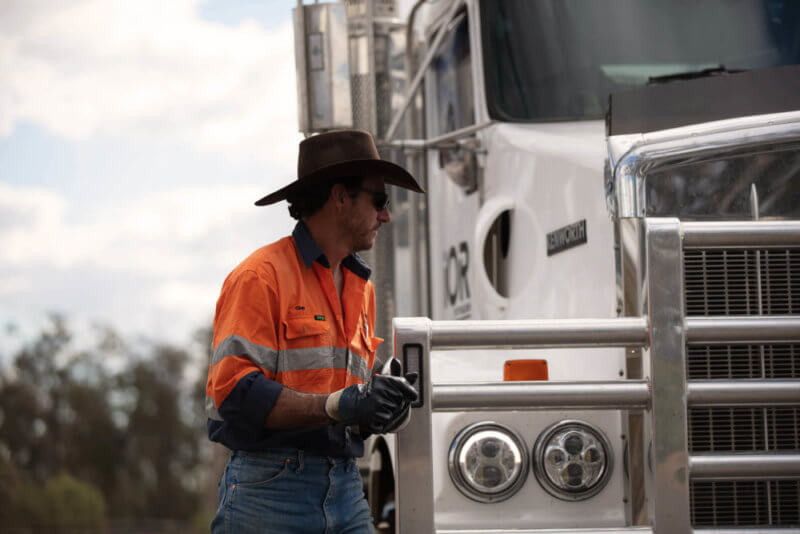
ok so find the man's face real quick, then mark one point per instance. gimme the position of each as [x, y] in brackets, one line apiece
[364, 219]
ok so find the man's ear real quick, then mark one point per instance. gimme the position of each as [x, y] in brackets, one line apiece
[339, 194]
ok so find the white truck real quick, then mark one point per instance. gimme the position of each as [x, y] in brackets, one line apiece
[601, 289]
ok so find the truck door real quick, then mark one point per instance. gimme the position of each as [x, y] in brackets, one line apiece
[453, 182]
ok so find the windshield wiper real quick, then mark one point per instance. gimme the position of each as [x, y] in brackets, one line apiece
[692, 74]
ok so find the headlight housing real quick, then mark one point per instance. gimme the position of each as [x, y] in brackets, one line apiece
[488, 462]
[572, 460]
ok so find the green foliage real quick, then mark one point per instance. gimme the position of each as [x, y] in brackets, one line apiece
[201, 520]
[74, 503]
[82, 440]
[63, 503]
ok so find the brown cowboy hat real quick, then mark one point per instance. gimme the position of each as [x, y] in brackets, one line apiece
[339, 154]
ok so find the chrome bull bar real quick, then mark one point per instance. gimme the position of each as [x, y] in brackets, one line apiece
[621, 395]
[665, 397]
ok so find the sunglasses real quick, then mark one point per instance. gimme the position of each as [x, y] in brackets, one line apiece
[380, 199]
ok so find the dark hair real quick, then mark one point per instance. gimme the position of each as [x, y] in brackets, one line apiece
[306, 201]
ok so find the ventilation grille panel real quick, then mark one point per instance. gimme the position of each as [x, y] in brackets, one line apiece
[728, 282]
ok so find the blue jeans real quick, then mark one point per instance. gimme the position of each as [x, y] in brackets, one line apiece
[287, 491]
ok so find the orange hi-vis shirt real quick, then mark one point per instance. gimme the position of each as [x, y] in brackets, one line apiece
[280, 323]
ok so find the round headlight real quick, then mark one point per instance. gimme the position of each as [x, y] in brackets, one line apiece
[572, 460]
[488, 462]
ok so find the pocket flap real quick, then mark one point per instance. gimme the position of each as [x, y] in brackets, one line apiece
[304, 326]
[374, 342]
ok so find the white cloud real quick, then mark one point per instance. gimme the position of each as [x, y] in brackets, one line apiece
[28, 215]
[179, 295]
[169, 233]
[151, 264]
[14, 284]
[148, 69]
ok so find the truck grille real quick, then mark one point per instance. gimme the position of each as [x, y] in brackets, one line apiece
[744, 503]
[743, 282]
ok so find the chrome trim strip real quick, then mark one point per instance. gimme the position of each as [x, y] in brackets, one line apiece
[621, 530]
[775, 465]
[668, 480]
[743, 329]
[601, 530]
[414, 461]
[765, 530]
[621, 332]
[622, 394]
[731, 393]
[436, 142]
[741, 234]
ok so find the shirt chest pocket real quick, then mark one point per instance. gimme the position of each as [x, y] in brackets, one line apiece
[368, 343]
[307, 344]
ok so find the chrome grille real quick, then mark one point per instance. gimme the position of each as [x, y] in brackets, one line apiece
[707, 362]
[744, 503]
[725, 282]
[743, 429]
[743, 282]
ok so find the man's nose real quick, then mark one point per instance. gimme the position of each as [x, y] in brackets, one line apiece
[384, 216]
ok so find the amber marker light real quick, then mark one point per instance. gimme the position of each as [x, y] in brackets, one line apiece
[515, 370]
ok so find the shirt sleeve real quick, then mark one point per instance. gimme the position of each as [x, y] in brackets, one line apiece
[245, 351]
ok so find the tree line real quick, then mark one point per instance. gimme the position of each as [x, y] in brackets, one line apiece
[113, 434]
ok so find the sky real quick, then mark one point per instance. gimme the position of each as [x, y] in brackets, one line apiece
[135, 136]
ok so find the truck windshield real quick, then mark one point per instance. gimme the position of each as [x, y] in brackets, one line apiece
[560, 59]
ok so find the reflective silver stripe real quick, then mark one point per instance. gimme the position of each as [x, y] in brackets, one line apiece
[323, 358]
[264, 357]
[211, 410]
[281, 361]
[340, 358]
[311, 358]
[357, 366]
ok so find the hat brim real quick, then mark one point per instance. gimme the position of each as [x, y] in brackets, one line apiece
[391, 173]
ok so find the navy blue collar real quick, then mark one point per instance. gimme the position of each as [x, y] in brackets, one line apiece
[310, 252]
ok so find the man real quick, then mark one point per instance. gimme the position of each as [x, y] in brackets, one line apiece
[291, 387]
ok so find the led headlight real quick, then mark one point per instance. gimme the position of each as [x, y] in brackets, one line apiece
[572, 460]
[488, 462]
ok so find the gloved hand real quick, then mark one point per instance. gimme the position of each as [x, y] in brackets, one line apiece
[402, 415]
[371, 406]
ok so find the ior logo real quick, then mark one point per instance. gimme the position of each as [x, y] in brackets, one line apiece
[456, 283]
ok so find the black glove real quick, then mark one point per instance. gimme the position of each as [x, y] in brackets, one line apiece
[402, 415]
[371, 406]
